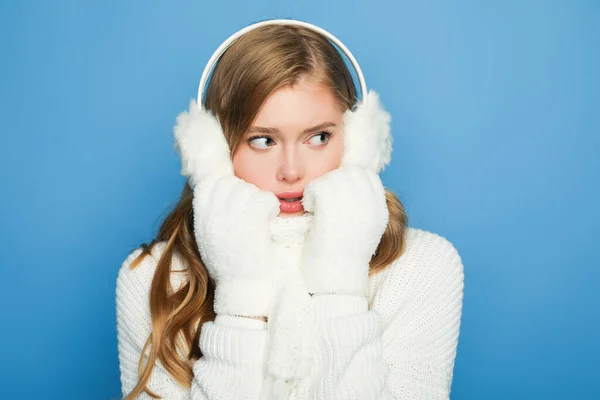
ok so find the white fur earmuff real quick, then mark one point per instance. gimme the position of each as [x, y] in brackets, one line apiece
[201, 144]
[367, 136]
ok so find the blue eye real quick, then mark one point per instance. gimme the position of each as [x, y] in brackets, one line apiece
[255, 140]
[325, 135]
[264, 142]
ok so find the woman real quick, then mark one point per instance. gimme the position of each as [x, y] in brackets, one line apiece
[294, 276]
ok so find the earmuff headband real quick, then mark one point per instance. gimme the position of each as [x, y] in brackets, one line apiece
[229, 41]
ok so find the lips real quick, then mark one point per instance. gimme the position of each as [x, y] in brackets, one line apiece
[290, 195]
[291, 201]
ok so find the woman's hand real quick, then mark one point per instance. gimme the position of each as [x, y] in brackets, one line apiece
[350, 217]
[231, 226]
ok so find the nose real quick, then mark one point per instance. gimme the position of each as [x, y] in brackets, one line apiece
[290, 167]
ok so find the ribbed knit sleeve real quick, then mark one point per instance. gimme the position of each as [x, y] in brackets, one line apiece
[232, 347]
[232, 363]
[404, 345]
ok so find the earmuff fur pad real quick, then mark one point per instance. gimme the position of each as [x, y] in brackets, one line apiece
[367, 135]
[201, 145]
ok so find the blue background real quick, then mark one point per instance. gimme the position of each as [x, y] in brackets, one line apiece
[495, 110]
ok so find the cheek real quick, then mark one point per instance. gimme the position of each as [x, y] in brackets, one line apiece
[329, 160]
[246, 166]
[338, 152]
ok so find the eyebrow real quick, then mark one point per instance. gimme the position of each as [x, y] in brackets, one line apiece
[262, 129]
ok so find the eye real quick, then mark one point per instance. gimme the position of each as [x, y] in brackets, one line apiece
[323, 138]
[260, 142]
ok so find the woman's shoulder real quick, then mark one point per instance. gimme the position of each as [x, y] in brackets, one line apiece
[138, 269]
[429, 250]
[429, 263]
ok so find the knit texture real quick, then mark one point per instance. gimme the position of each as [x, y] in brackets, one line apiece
[291, 326]
[398, 342]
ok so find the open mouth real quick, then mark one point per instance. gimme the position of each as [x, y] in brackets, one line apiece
[291, 200]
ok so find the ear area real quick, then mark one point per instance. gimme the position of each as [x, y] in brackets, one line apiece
[201, 144]
[367, 135]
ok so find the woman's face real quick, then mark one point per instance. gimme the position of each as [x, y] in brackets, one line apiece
[295, 138]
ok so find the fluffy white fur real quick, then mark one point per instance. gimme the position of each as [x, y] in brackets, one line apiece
[367, 135]
[231, 227]
[338, 248]
[201, 145]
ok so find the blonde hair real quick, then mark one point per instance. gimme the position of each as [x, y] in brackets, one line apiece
[258, 63]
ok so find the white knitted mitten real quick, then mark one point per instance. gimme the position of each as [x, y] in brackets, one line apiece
[350, 217]
[231, 226]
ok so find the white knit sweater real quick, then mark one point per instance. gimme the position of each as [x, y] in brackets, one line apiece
[399, 342]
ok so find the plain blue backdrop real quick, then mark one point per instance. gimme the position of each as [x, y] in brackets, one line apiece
[495, 113]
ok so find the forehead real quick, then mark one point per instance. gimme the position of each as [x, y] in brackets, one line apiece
[296, 107]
